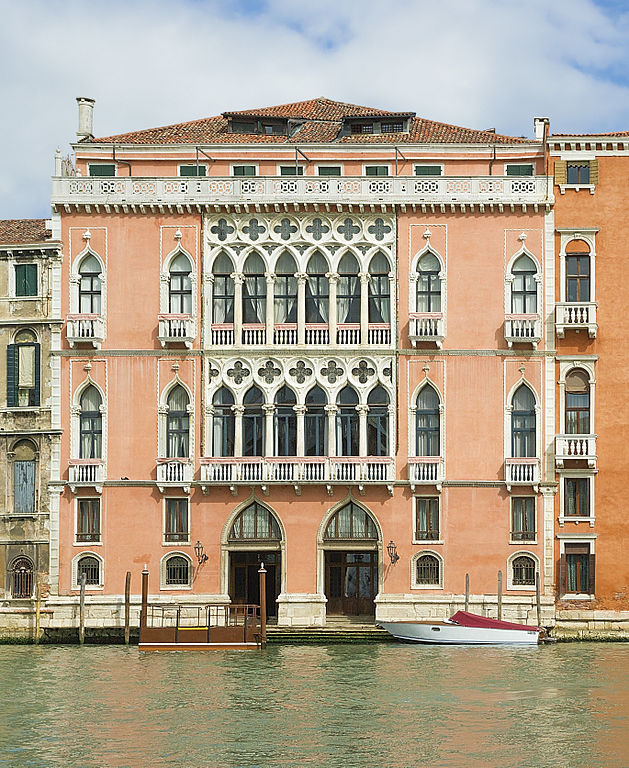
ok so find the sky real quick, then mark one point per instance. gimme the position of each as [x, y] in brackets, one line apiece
[477, 63]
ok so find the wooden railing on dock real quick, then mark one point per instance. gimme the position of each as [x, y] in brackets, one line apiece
[196, 624]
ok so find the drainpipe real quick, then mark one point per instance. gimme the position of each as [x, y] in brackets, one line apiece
[122, 162]
[492, 161]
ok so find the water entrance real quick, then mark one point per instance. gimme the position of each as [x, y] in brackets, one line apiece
[351, 583]
[244, 579]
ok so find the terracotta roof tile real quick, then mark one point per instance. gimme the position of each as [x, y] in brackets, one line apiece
[23, 231]
[586, 135]
[322, 124]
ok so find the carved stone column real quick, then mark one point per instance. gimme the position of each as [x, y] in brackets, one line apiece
[333, 278]
[363, 410]
[269, 410]
[300, 410]
[364, 307]
[238, 279]
[238, 411]
[301, 307]
[270, 307]
[331, 410]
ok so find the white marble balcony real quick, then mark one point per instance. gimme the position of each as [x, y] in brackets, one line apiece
[523, 329]
[288, 335]
[85, 329]
[425, 470]
[575, 316]
[570, 448]
[176, 329]
[86, 473]
[174, 472]
[521, 471]
[426, 327]
[222, 334]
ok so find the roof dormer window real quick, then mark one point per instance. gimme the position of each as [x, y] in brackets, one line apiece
[362, 128]
[241, 126]
[393, 127]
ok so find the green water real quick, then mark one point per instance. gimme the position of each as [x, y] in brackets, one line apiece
[389, 706]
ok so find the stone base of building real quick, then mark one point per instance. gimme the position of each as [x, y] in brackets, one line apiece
[577, 624]
[301, 610]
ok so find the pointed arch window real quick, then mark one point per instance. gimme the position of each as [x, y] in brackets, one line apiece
[316, 423]
[178, 423]
[350, 522]
[23, 370]
[378, 423]
[347, 423]
[523, 432]
[379, 289]
[285, 422]
[577, 403]
[223, 291]
[524, 286]
[348, 290]
[24, 472]
[90, 287]
[223, 423]
[285, 293]
[255, 523]
[253, 423]
[254, 290]
[428, 422]
[90, 424]
[180, 286]
[317, 289]
[428, 292]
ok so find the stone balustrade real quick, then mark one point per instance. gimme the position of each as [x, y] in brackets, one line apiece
[523, 329]
[575, 316]
[176, 329]
[575, 447]
[521, 471]
[426, 327]
[425, 470]
[85, 329]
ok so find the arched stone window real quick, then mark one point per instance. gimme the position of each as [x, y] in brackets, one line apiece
[223, 423]
[285, 291]
[523, 427]
[316, 423]
[523, 571]
[317, 289]
[350, 522]
[577, 402]
[578, 272]
[24, 459]
[223, 290]
[285, 423]
[253, 423]
[524, 286]
[91, 567]
[177, 423]
[90, 285]
[378, 422]
[428, 422]
[180, 286]
[428, 291]
[379, 289]
[254, 291]
[23, 370]
[347, 423]
[177, 572]
[348, 290]
[255, 523]
[427, 570]
[90, 424]
[22, 579]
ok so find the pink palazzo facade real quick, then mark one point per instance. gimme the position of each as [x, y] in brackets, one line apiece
[316, 335]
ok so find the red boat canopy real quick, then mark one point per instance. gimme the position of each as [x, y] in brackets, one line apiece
[465, 619]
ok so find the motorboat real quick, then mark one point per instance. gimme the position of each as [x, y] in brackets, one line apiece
[464, 628]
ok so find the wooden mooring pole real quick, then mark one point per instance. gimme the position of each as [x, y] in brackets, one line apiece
[467, 591]
[499, 595]
[538, 599]
[262, 573]
[37, 607]
[145, 600]
[127, 607]
[82, 609]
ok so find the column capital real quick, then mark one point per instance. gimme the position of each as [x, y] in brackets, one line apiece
[269, 408]
[270, 277]
[238, 410]
[300, 409]
[331, 408]
[237, 277]
[332, 276]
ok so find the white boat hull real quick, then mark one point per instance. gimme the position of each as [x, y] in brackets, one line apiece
[449, 633]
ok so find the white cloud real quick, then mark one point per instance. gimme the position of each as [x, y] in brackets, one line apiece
[486, 63]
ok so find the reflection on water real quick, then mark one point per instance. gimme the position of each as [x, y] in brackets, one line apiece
[389, 706]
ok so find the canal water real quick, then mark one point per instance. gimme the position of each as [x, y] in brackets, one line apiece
[377, 706]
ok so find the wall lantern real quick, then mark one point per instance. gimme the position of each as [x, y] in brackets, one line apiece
[198, 551]
[392, 550]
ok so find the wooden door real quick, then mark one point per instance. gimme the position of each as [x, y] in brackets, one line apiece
[351, 583]
[244, 579]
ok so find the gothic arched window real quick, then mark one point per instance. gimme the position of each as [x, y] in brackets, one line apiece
[90, 424]
[178, 423]
[223, 423]
[523, 440]
[180, 286]
[428, 422]
[253, 423]
[90, 286]
[285, 420]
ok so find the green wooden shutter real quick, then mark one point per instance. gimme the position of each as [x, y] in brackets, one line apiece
[37, 392]
[31, 279]
[561, 172]
[593, 171]
[12, 373]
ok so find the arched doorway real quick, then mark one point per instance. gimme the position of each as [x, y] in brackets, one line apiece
[350, 550]
[255, 537]
[22, 579]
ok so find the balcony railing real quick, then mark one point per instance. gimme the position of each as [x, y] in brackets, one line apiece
[426, 327]
[378, 334]
[85, 329]
[253, 335]
[348, 333]
[575, 316]
[86, 472]
[575, 447]
[174, 472]
[215, 190]
[317, 334]
[297, 469]
[222, 335]
[425, 470]
[522, 329]
[521, 471]
[176, 329]
[285, 334]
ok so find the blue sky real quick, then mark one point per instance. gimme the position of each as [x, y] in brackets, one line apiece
[478, 63]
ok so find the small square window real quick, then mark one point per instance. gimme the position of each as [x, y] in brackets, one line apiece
[523, 518]
[26, 279]
[102, 169]
[329, 170]
[176, 522]
[244, 170]
[520, 170]
[376, 170]
[397, 127]
[426, 518]
[427, 170]
[577, 497]
[192, 170]
[291, 170]
[578, 173]
[88, 520]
